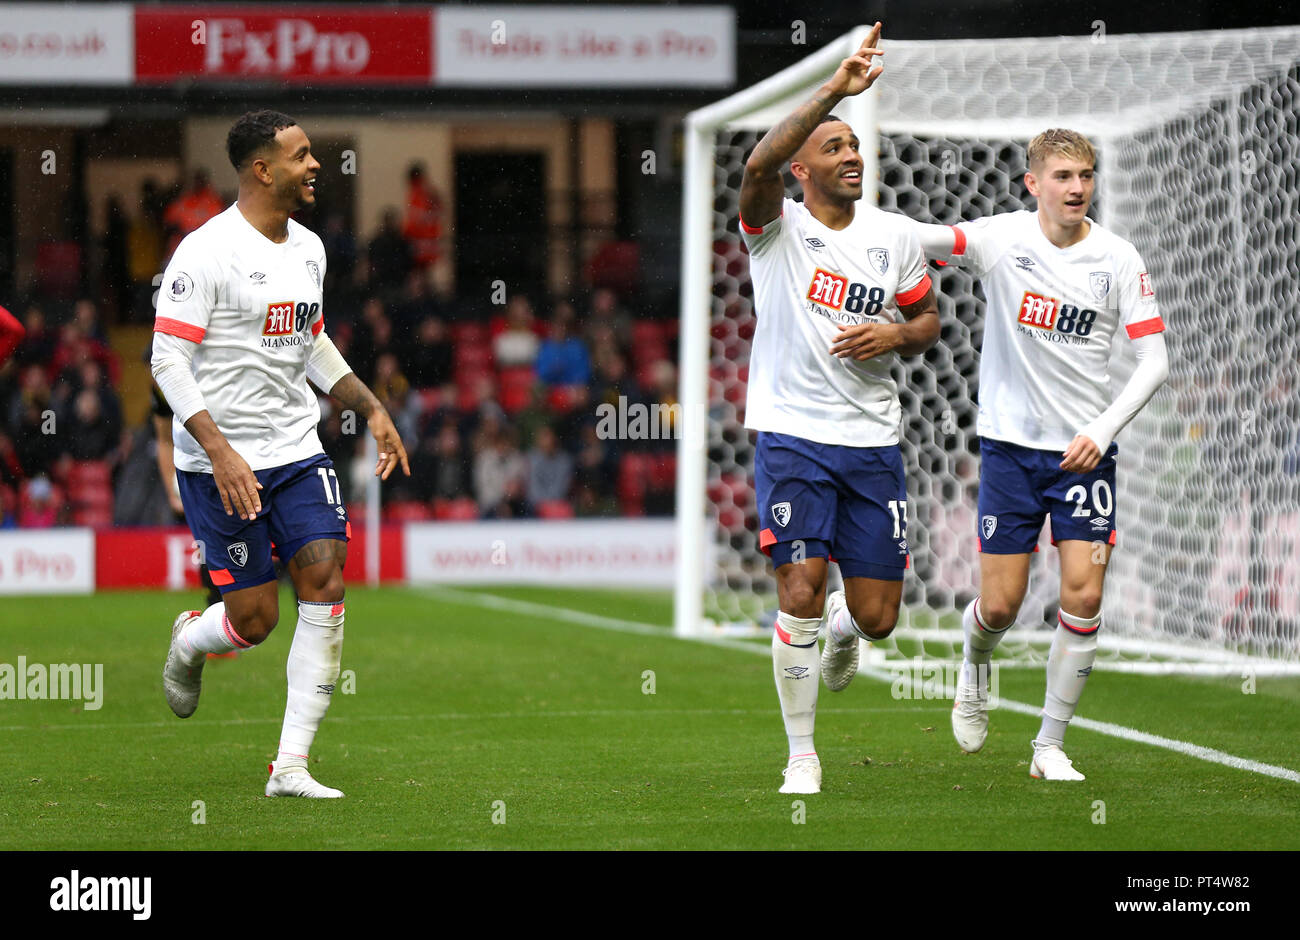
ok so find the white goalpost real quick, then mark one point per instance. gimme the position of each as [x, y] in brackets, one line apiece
[1198, 138]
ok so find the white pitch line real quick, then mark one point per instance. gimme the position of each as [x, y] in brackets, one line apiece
[448, 716]
[1101, 727]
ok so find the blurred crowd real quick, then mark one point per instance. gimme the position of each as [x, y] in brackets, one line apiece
[497, 403]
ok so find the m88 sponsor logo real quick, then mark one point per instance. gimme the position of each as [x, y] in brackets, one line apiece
[1048, 313]
[288, 317]
[835, 292]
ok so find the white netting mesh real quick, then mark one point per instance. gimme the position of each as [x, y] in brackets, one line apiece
[1199, 146]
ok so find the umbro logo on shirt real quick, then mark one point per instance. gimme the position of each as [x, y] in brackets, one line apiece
[256, 276]
[1024, 263]
[815, 244]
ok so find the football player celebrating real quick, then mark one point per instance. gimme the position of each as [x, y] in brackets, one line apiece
[840, 292]
[1059, 286]
[239, 331]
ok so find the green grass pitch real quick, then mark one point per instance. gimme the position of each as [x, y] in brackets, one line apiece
[475, 728]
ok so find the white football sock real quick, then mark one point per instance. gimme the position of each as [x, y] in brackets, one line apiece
[796, 664]
[313, 669]
[978, 643]
[1074, 648]
[210, 632]
[843, 628]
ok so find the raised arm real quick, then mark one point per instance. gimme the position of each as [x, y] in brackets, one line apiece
[761, 188]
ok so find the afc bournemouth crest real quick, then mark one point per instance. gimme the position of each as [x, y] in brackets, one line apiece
[238, 553]
[314, 270]
[879, 258]
[781, 513]
[990, 525]
[1099, 281]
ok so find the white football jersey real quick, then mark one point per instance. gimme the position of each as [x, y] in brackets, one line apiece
[1051, 314]
[807, 279]
[254, 308]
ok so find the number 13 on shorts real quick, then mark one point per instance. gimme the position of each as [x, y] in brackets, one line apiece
[898, 507]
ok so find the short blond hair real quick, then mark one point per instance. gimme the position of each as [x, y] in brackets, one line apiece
[1057, 141]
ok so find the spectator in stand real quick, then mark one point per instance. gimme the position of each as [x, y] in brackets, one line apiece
[517, 344]
[389, 255]
[86, 317]
[550, 470]
[191, 209]
[451, 476]
[418, 302]
[422, 227]
[341, 250]
[595, 470]
[500, 472]
[663, 392]
[91, 434]
[75, 347]
[562, 357]
[394, 393]
[39, 507]
[428, 361]
[606, 312]
[144, 250]
[612, 382]
[373, 338]
[37, 346]
[116, 275]
[35, 423]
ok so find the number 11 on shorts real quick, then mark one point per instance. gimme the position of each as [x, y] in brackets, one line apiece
[899, 508]
[336, 497]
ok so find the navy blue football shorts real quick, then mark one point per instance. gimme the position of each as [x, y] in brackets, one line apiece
[301, 502]
[1020, 486]
[846, 504]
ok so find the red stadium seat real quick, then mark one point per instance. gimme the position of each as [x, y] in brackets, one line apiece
[469, 334]
[95, 517]
[455, 509]
[408, 511]
[516, 388]
[555, 509]
[88, 473]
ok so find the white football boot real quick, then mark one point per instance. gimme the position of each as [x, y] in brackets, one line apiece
[296, 781]
[803, 775]
[839, 663]
[970, 716]
[181, 681]
[1050, 763]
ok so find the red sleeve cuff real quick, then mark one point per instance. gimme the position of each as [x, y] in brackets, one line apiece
[958, 241]
[179, 328]
[751, 230]
[907, 297]
[318, 326]
[1145, 328]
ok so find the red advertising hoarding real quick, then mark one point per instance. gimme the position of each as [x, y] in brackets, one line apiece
[332, 45]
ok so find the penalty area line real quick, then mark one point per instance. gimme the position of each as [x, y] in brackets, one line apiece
[583, 618]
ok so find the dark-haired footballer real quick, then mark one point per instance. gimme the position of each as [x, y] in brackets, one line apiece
[239, 332]
[840, 293]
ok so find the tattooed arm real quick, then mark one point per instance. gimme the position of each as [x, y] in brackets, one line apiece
[352, 392]
[761, 188]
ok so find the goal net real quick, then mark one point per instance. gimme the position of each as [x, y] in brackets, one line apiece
[1198, 138]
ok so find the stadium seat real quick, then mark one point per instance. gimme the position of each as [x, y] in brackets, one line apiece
[616, 265]
[469, 334]
[94, 517]
[516, 388]
[83, 473]
[446, 510]
[555, 509]
[411, 510]
[633, 475]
